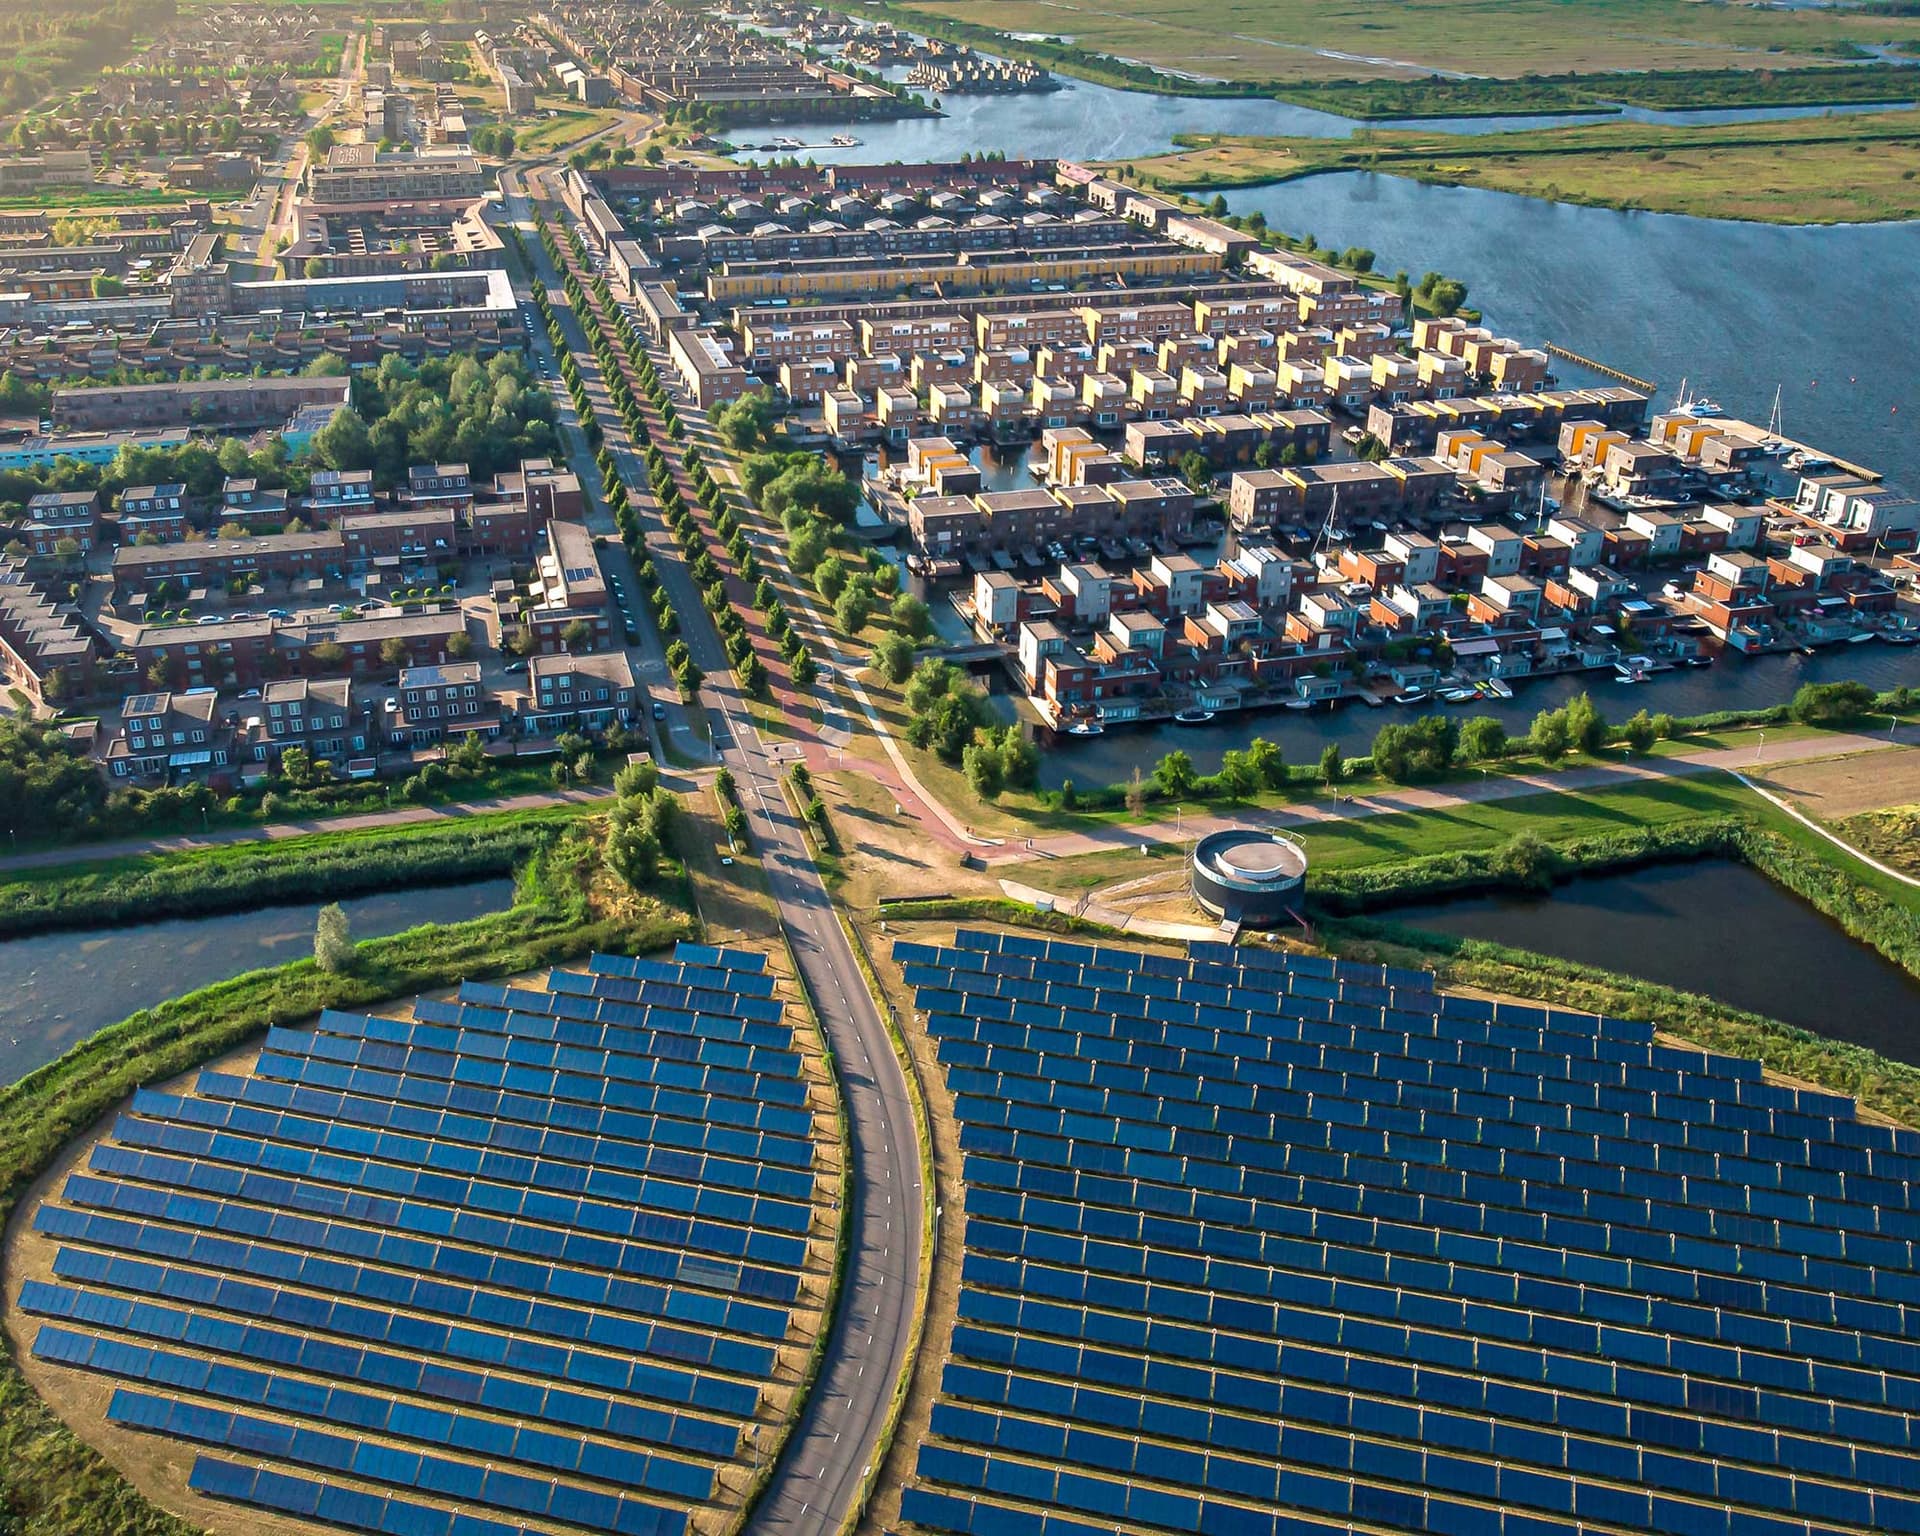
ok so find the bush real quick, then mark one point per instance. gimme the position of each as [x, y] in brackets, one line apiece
[1832, 704]
[1483, 739]
[333, 940]
[1420, 749]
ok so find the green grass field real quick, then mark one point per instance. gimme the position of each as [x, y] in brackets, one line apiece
[1815, 170]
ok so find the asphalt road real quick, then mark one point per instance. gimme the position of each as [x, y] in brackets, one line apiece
[834, 1443]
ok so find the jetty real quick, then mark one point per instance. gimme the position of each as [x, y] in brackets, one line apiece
[1645, 386]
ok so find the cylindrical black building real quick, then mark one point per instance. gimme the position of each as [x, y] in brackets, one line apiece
[1249, 877]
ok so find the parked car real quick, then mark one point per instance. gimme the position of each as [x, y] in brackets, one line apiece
[659, 710]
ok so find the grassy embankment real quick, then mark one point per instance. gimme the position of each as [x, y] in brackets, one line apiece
[1271, 45]
[232, 877]
[51, 1482]
[1815, 170]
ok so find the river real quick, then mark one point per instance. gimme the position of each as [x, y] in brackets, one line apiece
[1693, 926]
[1735, 683]
[58, 988]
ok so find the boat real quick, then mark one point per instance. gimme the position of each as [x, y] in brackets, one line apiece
[1862, 637]
[1459, 695]
[1086, 728]
[1697, 661]
[1412, 696]
[1807, 463]
[843, 141]
[1628, 674]
[1499, 687]
[1299, 704]
[1194, 716]
[1900, 637]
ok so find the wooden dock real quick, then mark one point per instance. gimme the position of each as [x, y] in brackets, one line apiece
[1645, 386]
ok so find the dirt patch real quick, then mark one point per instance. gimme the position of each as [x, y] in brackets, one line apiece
[1838, 787]
[1891, 836]
[886, 852]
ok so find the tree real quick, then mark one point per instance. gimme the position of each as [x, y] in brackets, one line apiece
[1526, 859]
[1586, 726]
[393, 651]
[343, 443]
[981, 762]
[911, 616]
[1269, 765]
[931, 681]
[470, 756]
[333, 948]
[1136, 793]
[1550, 736]
[314, 267]
[320, 140]
[854, 608]
[744, 424]
[807, 548]
[1832, 703]
[1638, 732]
[1218, 207]
[1196, 471]
[577, 637]
[893, 658]
[460, 646]
[830, 578]
[1483, 739]
[1175, 774]
[106, 286]
[1333, 764]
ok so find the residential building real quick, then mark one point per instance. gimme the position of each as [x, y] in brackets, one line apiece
[577, 693]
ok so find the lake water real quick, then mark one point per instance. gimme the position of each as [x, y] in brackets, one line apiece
[1755, 683]
[58, 988]
[1720, 929]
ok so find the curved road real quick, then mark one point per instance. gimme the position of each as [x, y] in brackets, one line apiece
[826, 1458]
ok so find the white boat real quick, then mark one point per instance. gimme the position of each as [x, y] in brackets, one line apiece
[1861, 638]
[1086, 728]
[1628, 674]
[1500, 688]
[1412, 696]
[1459, 695]
[1193, 717]
[1807, 463]
[1299, 704]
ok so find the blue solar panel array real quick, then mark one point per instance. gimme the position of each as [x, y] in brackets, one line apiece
[523, 1261]
[1262, 1244]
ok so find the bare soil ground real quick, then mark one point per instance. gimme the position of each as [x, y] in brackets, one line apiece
[1838, 787]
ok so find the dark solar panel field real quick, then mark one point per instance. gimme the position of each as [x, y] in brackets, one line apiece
[1264, 1244]
[528, 1261]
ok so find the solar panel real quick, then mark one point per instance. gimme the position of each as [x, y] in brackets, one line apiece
[1317, 1237]
[558, 1232]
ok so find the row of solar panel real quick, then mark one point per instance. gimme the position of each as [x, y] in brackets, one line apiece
[632, 1055]
[1399, 1242]
[1611, 1360]
[1378, 1098]
[581, 1045]
[1404, 1226]
[547, 1342]
[157, 1123]
[1708, 1209]
[362, 1226]
[381, 1414]
[735, 1356]
[1462, 1229]
[514, 1121]
[686, 954]
[494, 1487]
[1654, 1169]
[1469, 1429]
[688, 1135]
[1324, 1214]
[1251, 1019]
[549, 1195]
[522, 1078]
[1350, 1506]
[389, 1515]
[1281, 1057]
[574, 1023]
[1044, 1448]
[1304, 1288]
[713, 993]
[774, 1075]
[1598, 1400]
[1237, 967]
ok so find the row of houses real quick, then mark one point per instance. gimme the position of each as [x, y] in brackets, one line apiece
[204, 733]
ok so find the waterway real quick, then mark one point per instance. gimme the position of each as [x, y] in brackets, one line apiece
[1720, 929]
[1735, 683]
[58, 988]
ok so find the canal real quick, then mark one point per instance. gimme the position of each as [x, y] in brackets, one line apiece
[1720, 929]
[1735, 683]
[58, 988]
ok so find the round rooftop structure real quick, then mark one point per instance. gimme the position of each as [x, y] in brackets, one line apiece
[1248, 876]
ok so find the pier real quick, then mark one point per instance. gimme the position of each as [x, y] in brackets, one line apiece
[1645, 386]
